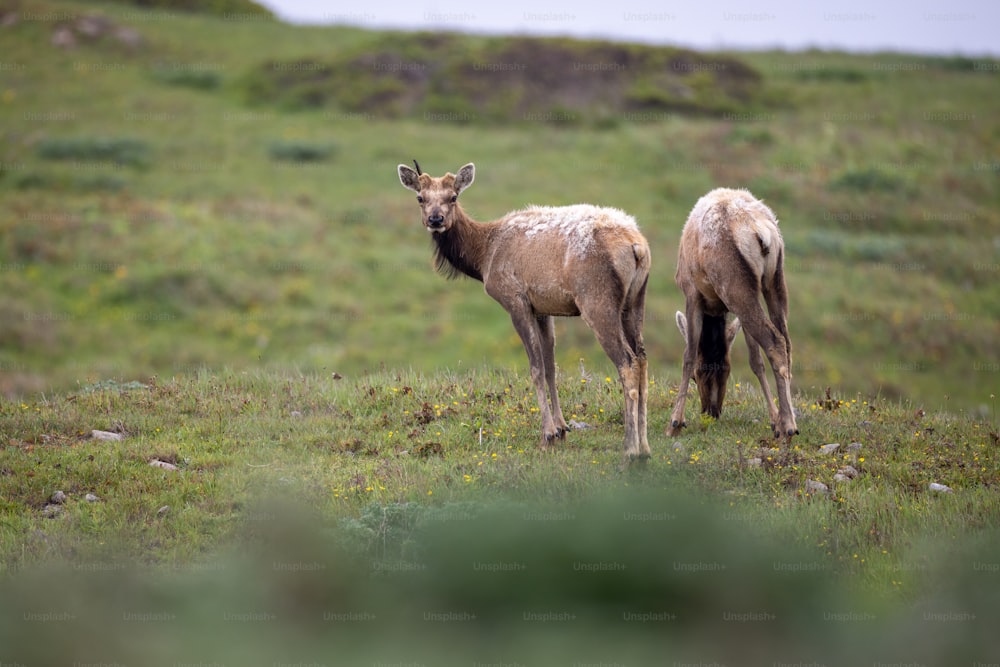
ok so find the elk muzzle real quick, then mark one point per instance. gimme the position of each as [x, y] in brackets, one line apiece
[435, 221]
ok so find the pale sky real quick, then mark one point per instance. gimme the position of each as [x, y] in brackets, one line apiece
[968, 27]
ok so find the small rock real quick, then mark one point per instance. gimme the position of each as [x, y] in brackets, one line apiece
[156, 463]
[130, 37]
[679, 447]
[579, 426]
[296, 413]
[814, 486]
[93, 26]
[841, 477]
[51, 511]
[91, 498]
[63, 38]
[58, 498]
[163, 511]
[829, 449]
[849, 471]
[106, 435]
[854, 446]
[940, 488]
[755, 462]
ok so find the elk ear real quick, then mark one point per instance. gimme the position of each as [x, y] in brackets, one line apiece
[466, 175]
[409, 178]
[682, 324]
[731, 330]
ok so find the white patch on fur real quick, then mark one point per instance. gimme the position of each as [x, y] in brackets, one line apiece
[576, 224]
[754, 233]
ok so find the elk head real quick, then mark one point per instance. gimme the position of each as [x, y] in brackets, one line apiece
[438, 197]
[711, 370]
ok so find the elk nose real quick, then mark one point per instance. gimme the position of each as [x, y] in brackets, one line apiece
[436, 220]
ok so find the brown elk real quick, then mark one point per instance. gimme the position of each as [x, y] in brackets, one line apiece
[730, 254]
[544, 262]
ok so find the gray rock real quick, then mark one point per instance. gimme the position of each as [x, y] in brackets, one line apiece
[63, 38]
[58, 498]
[849, 471]
[841, 477]
[814, 486]
[939, 488]
[51, 511]
[106, 435]
[755, 462]
[163, 511]
[91, 498]
[579, 426]
[854, 446]
[130, 37]
[156, 463]
[829, 449]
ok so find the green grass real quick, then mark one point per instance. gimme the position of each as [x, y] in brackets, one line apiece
[195, 272]
[209, 252]
[377, 496]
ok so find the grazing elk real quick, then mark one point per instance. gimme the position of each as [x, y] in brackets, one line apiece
[730, 254]
[542, 262]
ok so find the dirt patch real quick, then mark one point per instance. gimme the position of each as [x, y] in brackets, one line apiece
[447, 77]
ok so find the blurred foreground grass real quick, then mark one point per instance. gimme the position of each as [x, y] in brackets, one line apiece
[408, 518]
[634, 578]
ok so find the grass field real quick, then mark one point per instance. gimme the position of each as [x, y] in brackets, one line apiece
[214, 259]
[149, 203]
[410, 517]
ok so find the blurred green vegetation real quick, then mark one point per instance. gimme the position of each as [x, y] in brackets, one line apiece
[242, 9]
[404, 517]
[627, 580]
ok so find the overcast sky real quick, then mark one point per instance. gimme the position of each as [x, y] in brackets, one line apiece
[969, 27]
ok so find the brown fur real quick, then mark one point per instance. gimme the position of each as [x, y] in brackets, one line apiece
[539, 263]
[730, 255]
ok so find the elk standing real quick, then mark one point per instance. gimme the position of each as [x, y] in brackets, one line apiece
[730, 254]
[542, 262]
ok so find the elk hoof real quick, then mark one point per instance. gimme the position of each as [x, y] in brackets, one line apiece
[675, 427]
[550, 438]
[634, 462]
[638, 461]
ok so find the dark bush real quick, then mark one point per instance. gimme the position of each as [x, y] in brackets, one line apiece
[125, 151]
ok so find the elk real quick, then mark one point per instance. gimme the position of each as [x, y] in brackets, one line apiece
[545, 262]
[730, 255]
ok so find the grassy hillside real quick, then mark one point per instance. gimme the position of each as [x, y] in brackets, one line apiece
[164, 212]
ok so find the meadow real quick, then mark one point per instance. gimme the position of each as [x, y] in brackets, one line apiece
[325, 453]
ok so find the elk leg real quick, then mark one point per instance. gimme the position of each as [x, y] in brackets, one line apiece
[527, 326]
[611, 335]
[776, 298]
[767, 335]
[546, 327]
[632, 325]
[757, 366]
[687, 371]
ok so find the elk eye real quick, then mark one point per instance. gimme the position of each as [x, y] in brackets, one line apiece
[454, 198]
[420, 200]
